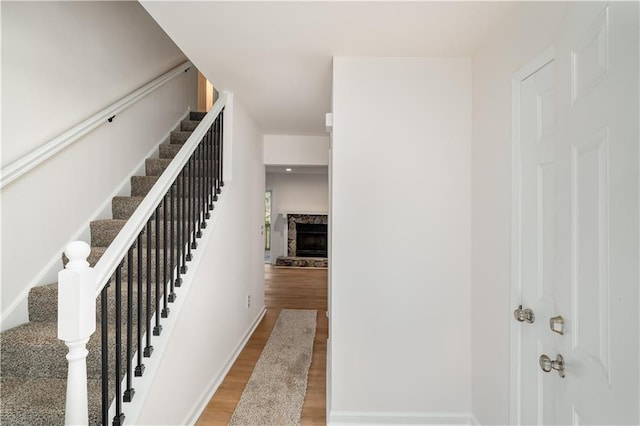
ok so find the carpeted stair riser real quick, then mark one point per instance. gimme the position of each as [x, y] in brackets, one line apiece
[123, 207]
[33, 360]
[141, 185]
[41, 401]
[197, 115]
[189, 125]
[104, 231]
[168, 150]
[178, 137]
[33, 350]
[43, 300]
[97, 252]
[155, 167]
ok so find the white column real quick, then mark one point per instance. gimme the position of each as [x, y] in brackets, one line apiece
[76, 324]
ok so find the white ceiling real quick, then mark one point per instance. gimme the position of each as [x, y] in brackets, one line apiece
[299, 170]
[277, 56]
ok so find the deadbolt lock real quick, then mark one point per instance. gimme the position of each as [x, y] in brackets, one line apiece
[547, 364]
[557, 324]
[524, 315]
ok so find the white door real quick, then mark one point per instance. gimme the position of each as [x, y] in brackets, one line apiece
[576, 224]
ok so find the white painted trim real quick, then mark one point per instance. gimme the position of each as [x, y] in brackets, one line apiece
[474, 420]
[398, 418]
[21, 166]
[216, 381]
[515, 399]
[18, 311]
[129, 232]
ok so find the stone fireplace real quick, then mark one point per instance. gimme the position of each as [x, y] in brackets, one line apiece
[307, 235]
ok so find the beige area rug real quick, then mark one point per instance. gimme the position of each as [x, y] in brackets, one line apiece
[276, 389]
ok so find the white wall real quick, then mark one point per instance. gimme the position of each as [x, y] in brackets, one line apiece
[400, 258]
[215, 318]
[62, 62]
[296, 150]
[294, 193]
[526, 33]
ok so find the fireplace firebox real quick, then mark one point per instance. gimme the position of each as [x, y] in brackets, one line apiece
[311, 240]
[307, 235]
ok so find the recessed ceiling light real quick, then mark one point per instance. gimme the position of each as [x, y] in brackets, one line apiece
[288, 170]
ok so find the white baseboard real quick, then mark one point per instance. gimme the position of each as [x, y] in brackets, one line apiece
[474, 420]
[213, 385]
[398, 418]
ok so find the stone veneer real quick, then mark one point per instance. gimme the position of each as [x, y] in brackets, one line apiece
[302, 262]
[293, 219]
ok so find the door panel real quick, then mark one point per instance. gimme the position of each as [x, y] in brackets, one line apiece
[577, 182]
[537, 166]
[597, 195]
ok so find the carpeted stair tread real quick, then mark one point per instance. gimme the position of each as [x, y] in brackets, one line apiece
[34, 350]
[189, 125]
[41, 401]
[197, 115]
[155, 166]
[43, 303]
[104, 231]
[168, 150]
[43, 300]
[141, 185]
[123, 207]
[179, 137]
[31, 350]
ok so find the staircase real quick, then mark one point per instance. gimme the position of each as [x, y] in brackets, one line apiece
[33, 365]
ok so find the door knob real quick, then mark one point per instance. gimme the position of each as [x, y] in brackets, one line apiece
[547, 364]
[524, 315]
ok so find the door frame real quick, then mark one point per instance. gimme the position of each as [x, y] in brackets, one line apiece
[515, 398]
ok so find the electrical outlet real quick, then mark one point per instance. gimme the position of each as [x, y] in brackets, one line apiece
[248, 300]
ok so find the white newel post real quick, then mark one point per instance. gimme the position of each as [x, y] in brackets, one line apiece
[76, 324]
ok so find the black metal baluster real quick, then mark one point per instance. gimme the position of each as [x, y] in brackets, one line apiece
[203, 183]
[148, 350]
[210, 169]
[104, 329]
[182, 261]
[119, 417]
[189, 216]
[158, 328]
[193, 197]
[175, 251]
[216, 166]
[140, 367]
[165, 252]
[199, 190]
[130, 391]
[221, 149]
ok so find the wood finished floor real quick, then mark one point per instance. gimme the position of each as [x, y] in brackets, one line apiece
[285, 288]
